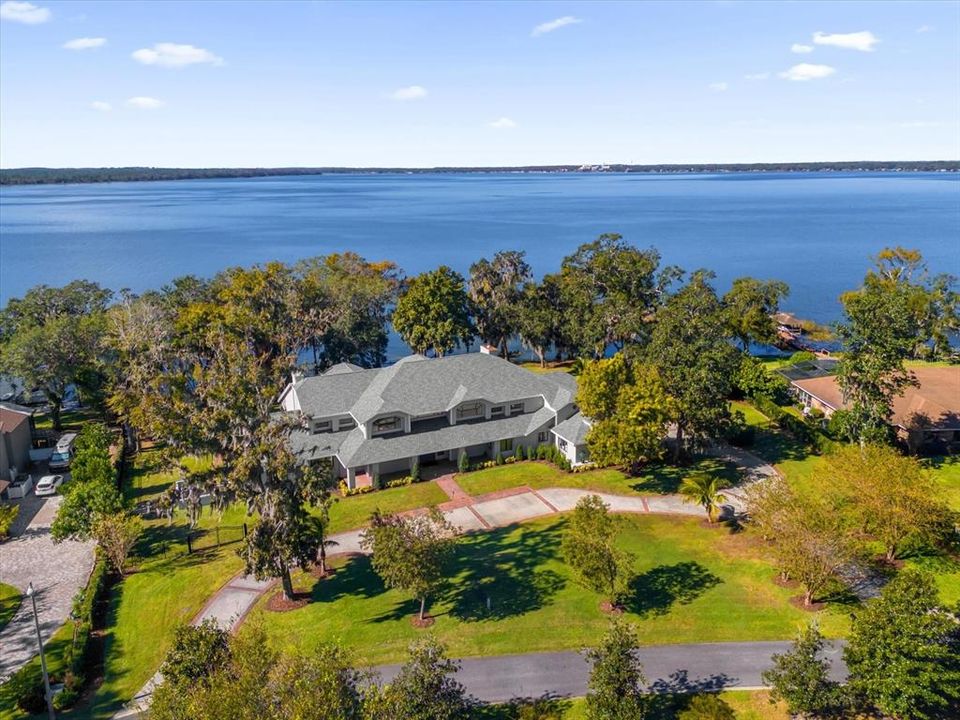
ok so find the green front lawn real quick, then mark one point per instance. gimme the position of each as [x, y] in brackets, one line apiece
[693, 585]
[352, 512]
[70, 419]
[746, 704]
[791, 457]
[537, 475]
[9, 603]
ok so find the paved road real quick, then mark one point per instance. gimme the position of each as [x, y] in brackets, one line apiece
[56, 571]
[669, 668]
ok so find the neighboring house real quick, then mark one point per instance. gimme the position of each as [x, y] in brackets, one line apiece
[926, 416]
[379, 421]
[16, 436]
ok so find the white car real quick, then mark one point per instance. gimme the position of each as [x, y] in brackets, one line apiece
[48, 485]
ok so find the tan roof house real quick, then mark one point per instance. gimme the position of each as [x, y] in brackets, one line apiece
[925, 414]
[15, 438]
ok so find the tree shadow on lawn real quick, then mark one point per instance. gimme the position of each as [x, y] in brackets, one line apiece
[355, 578]
[501, 574]
[672, 696]
[657, 590]
[775, 446]
[666, 479]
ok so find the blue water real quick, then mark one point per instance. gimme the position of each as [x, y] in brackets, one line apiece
[815, 231]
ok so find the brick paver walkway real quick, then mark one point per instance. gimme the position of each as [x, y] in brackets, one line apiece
[57, 571]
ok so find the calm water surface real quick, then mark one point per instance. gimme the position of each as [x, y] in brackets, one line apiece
[815, 231]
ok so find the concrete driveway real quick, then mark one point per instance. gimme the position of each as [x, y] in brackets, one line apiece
[56, 571]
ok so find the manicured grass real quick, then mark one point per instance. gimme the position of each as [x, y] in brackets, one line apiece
[167, 587]
[144, 609]
[693, 584]
[747, 704]
[794, 461]
[656, 479]
[552, 366]
[9, 603]
[946, 471]
[70, 419]
[55, 651]
[352, 512]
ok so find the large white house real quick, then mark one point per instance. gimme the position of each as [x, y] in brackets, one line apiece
[379, 421]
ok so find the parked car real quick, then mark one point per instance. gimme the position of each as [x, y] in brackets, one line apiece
[63, 452]
[48, 485]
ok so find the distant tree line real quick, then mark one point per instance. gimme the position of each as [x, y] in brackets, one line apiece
[42, 175]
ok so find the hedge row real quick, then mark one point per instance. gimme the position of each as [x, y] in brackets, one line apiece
[802, 431]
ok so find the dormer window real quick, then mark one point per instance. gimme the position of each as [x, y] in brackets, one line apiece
[496, 410]
[346, 424]
[516, 407]
[320, 426]
[470, 410]
[386, 424]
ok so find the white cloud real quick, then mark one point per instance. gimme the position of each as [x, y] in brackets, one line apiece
[104, 106]
[862, 41]
[547, 27]
[801, 49]
[718, 86]
[24, 12]
[924, 28]
[413, 92]
[806, 71]
[145, 103]
[757, 76]
[84, 43]
[503, 123]
[175, 56]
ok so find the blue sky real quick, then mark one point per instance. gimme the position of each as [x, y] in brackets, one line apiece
[196, 84]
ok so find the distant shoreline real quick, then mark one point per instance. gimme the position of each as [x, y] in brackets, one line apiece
[53, 176]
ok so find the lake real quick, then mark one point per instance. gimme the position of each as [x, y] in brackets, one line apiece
[816, 231]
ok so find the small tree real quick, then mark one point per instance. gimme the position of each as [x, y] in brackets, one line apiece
[588, 548]
[322, 525]
[809, 537]
[801, 677]
[903, 652]
[196, 652]
[83, 503]
[463, 461]
[704, 490]
[116, 534]
[616, 679]
[888, 495]
[424, 689]
[409, 553]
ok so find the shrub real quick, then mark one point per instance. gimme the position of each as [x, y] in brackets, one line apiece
[30, 696]
[518, 455]
[8, 513]
[415, 471]
[739, 433]
[802, 356]
[707, 707]
[463, 462]
[498, 459]
[65, 699]
[400, 482]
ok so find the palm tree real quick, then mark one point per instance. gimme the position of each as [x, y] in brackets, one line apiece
[703, 490]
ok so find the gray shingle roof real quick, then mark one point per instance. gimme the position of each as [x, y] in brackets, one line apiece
[573, 429]
[417, 386]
